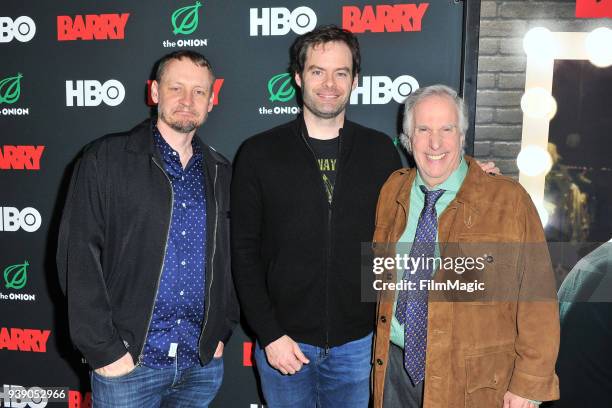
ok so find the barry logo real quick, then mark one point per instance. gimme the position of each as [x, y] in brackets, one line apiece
[10, 89]
[16, 276]
[92, 27]
[384, 18]
[185, 20]
[593, 8]
[32, 340]
[280, 87]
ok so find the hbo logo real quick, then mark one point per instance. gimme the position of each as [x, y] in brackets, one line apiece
[379, 90]
[22, 29]
[279, 21]
[11, 219]
[93, 93]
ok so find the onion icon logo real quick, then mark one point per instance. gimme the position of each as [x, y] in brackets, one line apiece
[16, 276]
[280, 87]
[10, 89]
[188, 19]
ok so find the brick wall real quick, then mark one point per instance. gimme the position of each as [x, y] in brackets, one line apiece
[501, 70]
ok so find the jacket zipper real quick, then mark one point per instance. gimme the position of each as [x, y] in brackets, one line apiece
[329, 237]
[144, 343]
[212, 261]
[329, 232]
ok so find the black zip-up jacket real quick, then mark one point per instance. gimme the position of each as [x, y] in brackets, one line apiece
[112, 243]
[296, 259]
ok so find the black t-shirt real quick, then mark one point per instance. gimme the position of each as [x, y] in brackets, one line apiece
[326, 152]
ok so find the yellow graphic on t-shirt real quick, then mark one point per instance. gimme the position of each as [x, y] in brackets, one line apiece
[327, 164]
[329, 188]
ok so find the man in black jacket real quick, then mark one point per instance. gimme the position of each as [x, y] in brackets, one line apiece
[143, 252]
[303, 199]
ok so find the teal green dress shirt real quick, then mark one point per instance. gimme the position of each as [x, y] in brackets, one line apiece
[417, 200]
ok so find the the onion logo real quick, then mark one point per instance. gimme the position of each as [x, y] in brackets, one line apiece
[280, 87]
[16, 276]
[188, 16]
[10, 89]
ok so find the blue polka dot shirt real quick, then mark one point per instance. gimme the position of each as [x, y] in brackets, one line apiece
[179, 307]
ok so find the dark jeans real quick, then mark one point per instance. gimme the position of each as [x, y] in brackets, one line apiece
[168, 387]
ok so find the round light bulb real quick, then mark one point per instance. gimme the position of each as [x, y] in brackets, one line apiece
[534, 160]
[540, 44]
[598, 46]
[538, 103]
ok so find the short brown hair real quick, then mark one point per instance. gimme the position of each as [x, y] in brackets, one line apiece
[195, 57]
[323, 35]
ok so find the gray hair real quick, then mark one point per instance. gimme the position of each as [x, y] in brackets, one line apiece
[417, 96]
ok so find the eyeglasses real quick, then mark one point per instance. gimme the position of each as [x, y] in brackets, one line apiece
[447, 130]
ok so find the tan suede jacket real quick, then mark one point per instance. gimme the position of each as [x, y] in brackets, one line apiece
[483, 344]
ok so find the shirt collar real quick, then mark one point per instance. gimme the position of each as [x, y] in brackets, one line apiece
[171, 156]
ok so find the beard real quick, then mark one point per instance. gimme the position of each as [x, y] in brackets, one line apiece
[324, 112]
[181, 126]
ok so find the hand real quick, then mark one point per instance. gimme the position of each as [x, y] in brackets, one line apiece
[219, 350]
[285, 355]
[489, 167]
[120, 367]
[514, 401]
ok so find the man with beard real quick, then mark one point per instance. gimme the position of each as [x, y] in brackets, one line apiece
[303, 199]
[143, 252]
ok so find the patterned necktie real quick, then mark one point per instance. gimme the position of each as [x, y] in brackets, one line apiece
[411, 310]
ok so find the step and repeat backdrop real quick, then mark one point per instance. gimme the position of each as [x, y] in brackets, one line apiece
[72, 71]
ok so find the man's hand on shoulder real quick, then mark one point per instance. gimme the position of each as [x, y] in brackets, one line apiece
[514, 401]
[120, 367]
[285, 355]
[489, 167]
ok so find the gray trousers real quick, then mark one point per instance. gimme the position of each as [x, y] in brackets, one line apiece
[399, 390]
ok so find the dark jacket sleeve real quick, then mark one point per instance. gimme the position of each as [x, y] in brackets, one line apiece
[248, 267]
[80, 246]
[232, 310]
[390, 152]
[395, 160]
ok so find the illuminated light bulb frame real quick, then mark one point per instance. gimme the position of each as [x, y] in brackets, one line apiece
[543, 213]
[539, 74]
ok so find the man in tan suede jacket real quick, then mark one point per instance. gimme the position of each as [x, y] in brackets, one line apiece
[492, 346]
